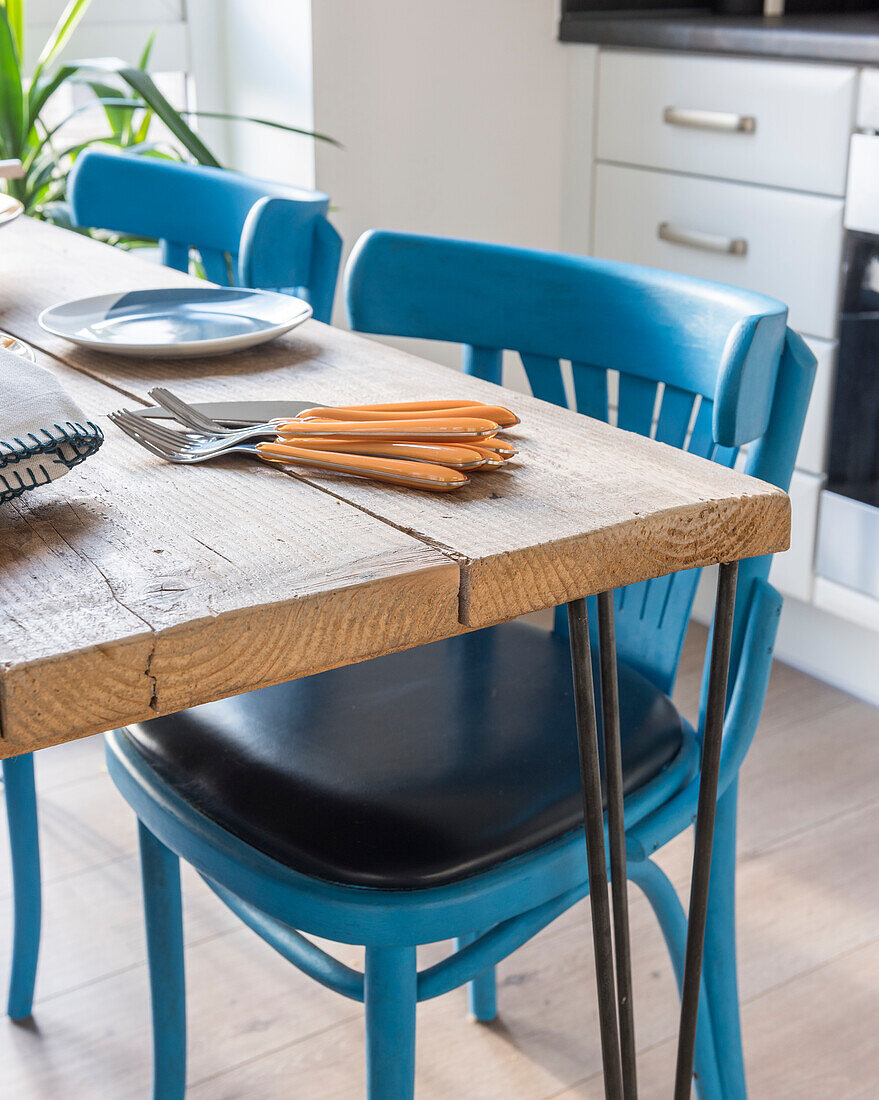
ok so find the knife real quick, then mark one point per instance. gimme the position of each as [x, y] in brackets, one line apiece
[244, 414]
[237, 414]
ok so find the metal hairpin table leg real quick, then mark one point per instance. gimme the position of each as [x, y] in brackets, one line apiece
[610, 713]
[710, 770]
[590, 775]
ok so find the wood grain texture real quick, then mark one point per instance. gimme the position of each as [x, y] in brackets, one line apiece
[132, 587]
[586, 507]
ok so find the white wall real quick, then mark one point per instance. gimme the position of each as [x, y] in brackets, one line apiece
[451, 113]
[253, 57]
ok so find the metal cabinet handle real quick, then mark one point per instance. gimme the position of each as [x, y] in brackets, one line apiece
[723, 121]
[707, 242]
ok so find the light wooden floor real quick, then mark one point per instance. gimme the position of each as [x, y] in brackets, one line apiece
[809, 952]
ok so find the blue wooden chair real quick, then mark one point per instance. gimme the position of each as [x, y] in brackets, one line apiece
[434, 794]
[278, 238]
[248, 232]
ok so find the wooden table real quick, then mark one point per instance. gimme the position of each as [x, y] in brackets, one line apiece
[132, 588]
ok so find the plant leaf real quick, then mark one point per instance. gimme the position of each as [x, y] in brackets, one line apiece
[142, 84]
[128, 133]
[15, 14]
[44, 168]
[58, 39]
[42, 89]
[119, 116]
[145, 86]
[115, 101]
[143, 63]
[142, 132]
[11, 95]
[266, 122]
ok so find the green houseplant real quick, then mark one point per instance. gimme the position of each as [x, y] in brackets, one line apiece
[131, 101]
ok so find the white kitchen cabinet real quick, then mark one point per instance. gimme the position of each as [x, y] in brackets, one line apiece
[868, 100]
[734, 169]
[769, 122]
[812, 455]
[792, 572]
[789, 245]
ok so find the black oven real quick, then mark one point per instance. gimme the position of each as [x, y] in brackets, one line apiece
[848, 526]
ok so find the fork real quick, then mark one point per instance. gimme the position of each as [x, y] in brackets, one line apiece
[489, 453]
[192, 418]
[183, 449]
[457, 456]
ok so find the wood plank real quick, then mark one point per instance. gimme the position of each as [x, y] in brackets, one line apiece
[243, 1001]
[132, 588]
[83, 826]
[800, 899]
[813, 1038]
[587, 507]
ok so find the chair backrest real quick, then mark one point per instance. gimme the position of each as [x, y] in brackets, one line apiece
[694, 364]
[248, 232]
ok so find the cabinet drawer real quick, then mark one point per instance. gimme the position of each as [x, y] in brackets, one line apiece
[777, 243]
[767, 122]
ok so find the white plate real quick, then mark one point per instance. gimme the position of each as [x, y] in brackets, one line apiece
[176, 323]
[16, 346]
[10, 208]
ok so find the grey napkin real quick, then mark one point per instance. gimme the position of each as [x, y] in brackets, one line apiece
[43, 432]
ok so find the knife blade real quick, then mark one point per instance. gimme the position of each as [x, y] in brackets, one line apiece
[237, 414]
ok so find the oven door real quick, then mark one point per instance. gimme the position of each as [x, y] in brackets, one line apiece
[848, 526]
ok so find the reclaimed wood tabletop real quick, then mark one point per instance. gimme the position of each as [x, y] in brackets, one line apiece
[133, 587]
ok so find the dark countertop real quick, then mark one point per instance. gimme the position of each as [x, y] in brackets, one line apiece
[849, 38]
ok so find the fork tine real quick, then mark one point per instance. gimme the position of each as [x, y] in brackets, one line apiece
[170, 444]
[125, 420]
[184, 412]
[192, 439]
[159, 431]
[190, 454]
[178, 431]
[132, 433]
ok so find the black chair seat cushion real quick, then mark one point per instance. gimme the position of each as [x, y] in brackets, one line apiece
[408, 771]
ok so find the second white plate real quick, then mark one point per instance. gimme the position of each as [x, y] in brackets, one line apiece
[176, 323]
[10, 208]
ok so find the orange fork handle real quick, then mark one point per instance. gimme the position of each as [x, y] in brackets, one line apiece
[501, 416]
[498, 446]
[395, 471]
[456, 455]
[439, 430]
[414, 406]
[491, 460]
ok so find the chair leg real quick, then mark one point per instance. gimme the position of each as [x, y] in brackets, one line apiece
[24, 842]
[720, 951]
[390, 991]
[672, 920]
[163, 912]
[482, 991]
